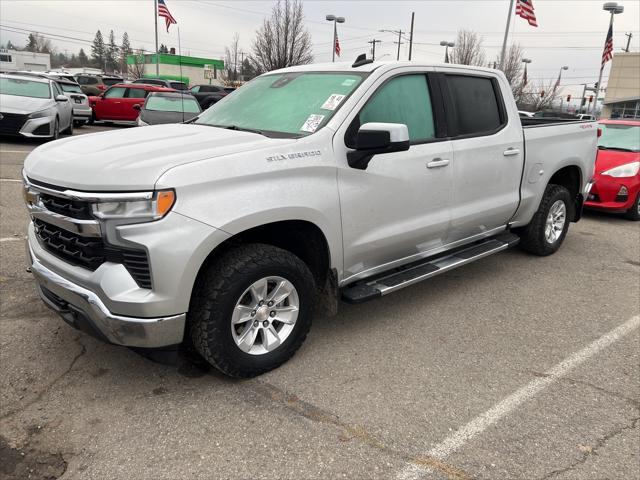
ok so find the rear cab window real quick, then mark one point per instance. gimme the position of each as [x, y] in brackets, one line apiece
[115, 92]
[474, 105]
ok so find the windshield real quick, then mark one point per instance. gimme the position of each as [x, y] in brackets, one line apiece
[24, 88]
[621, 137]
[157, 103]
[293, 104]
[67, 87]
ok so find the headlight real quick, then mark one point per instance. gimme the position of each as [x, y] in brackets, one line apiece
[626, 170]
[156, 206]
[43, 113]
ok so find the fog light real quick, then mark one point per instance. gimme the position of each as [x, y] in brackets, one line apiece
[623, 194]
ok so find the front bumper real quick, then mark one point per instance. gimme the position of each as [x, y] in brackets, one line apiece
[604, 193]
[83, 309]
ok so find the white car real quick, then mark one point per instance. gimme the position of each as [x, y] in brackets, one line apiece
[79, 101]
[32, 106]
[586, 116]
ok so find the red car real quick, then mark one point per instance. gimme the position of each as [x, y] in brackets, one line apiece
[119, 101]
[617, 172]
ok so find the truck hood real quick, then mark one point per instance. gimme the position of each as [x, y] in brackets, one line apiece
[134, 158]
[23, 105]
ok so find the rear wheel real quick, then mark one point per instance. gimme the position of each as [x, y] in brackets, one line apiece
[549, 225]
[634, 212]
[251, 310]
[92, 119]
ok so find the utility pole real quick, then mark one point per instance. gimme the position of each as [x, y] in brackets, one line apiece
[399, 42]
[413, 16]
[628, 35]
[373, 47]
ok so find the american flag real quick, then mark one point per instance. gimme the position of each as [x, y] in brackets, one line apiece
[607, 54]
[524, 9]
[337, 46]
[163, 11]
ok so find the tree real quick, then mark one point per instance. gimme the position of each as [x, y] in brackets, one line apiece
[136, 69]
[163, 48]
[513, 68]
[247, 71]
[468, 49]
[111, 53]
[230, 73]
[282, 41]
[538, 96]
[83, 60]
[37, 43]
[98, 50]
[10, 46]
[125, 51]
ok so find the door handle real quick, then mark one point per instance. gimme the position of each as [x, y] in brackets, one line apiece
[511, 151]
[438, 162]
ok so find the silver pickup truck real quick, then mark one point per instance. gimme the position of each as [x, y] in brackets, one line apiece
[304, 186]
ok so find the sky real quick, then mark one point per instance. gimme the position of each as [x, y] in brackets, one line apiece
[570, 32]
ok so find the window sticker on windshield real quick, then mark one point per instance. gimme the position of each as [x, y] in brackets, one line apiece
[348, 82]
[332, 102]
[312, 123]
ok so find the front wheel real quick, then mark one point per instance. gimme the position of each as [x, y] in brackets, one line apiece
[251, 310]
[634, 212]
[549, 225]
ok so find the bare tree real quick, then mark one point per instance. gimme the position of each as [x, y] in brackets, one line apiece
[282, 41]
[513, 69]
[230, 72]
[468, 49]
[538, 96]
[37, 43]
[136, 69]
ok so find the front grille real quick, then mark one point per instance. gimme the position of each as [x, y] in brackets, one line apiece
[11, 123]
[90, 252]
[67, 207]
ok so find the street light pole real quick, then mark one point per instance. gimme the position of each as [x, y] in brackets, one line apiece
[446, 44]
[399, 42]
[614, 9]
[335, 20]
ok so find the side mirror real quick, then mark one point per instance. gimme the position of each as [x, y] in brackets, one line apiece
[137, 107]
[61, 98]
[375, 138]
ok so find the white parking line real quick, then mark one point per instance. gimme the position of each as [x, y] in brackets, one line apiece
[12, 239]
[479, 424]
[15, 151]
[10, 180]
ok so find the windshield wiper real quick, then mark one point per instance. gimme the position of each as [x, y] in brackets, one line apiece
[622, 149]
[237, 128]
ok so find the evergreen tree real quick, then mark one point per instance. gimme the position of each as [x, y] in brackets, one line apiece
[98, 50]
[125, 51]
[112, 52]
[32, 43]
[83, 60]
[163, 48]
[10, 46]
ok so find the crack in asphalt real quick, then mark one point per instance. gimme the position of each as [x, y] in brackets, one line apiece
[293, 403]
[573, 381]
[50, 385]
[593, 450]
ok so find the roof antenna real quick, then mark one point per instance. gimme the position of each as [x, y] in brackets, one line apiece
[361, 60]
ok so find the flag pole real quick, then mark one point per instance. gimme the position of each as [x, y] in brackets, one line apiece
[598, 86]
[155, 20]
[506, 35]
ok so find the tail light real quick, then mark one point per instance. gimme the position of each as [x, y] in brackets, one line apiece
[102, 87]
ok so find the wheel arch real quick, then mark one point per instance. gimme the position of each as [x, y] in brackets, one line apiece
[570, 177]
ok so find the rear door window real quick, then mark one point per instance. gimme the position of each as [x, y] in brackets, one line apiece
[136, 93]
[475, 108]
[406, 100]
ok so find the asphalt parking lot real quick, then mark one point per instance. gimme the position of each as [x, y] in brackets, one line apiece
[514, 367]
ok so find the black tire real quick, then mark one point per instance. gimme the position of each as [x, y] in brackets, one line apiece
[69, 131]
[92, 119]
[56, 130]
[634, 212]
[79, 123]
[532, 237]
[221, 286]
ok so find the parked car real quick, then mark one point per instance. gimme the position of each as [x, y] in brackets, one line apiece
[554, 114]
[229, 89]
[79, 101]
[96, 84]
[173, 84]
[119, 101]
[61, 74]
[167, 107]
[309, 184]
[586, 116]
[33, 106]
[207, 95]
[617, 172]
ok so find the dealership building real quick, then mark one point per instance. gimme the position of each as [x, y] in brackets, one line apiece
[21, 60]
[622, 99]
[190, 70]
